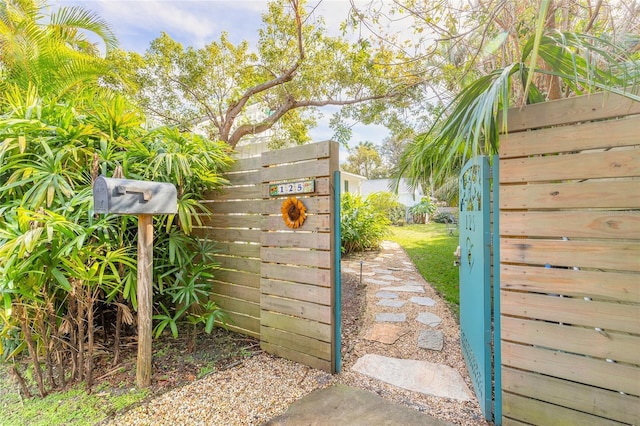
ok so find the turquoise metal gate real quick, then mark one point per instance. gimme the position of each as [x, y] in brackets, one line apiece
[475, 276]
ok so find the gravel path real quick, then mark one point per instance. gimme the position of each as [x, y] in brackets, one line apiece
[263, 386]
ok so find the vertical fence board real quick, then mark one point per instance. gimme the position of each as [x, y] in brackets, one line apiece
[570, 262]
[276, 283]
[296, 272]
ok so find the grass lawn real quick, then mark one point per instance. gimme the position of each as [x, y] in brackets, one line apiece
[431, 249]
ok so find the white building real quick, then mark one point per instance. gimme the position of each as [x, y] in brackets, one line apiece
[351, 182]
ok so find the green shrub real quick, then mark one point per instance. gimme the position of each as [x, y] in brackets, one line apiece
[362, 226]
[422, 210]
[445, 217]
[387, 203]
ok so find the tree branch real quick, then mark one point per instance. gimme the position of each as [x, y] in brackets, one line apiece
[287, 75]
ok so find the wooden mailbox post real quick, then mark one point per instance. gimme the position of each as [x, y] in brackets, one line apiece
[144, 199]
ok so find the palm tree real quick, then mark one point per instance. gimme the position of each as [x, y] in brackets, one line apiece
[580, 63]
[53, 53]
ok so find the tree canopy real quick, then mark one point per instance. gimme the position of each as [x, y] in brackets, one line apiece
[295, 69]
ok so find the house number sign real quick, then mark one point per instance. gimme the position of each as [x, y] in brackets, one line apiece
[287, 188]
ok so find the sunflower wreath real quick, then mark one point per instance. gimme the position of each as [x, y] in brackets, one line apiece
[294, 212]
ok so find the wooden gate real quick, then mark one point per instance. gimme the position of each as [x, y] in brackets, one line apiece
[280, 284]
[570, 262]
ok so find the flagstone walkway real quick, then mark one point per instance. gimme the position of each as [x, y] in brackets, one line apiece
[410, 341]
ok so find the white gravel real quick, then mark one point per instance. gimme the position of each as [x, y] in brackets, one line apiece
[264, 386]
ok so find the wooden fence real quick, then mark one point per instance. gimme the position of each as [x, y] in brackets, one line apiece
[570, 262]
[276, 283]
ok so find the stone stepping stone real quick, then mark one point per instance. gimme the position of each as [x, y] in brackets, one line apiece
[374, 281]
[382, 271]
[348, 270]
[385, 333]
[386, 317]
[431, 339]
[391, 303]
[386, 295]
[418, 376]
[406, 288]
[429, 319]
[389, 278]
[423, 301]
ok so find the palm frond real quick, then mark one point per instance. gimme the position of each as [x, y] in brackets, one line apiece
[469, 126]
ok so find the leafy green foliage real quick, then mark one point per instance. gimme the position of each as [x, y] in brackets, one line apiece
[387, 203]
[422, 210]
[57, 258]
[362, 225]
[276, 86]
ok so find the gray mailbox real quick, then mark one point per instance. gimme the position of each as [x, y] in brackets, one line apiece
[135, 197]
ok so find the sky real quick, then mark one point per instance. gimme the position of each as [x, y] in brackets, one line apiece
[196, 22]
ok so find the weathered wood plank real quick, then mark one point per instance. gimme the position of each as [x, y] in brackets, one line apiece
[244, 264]
[573, 224]
[512, 422]
[595, 284]
[296, 239]
[294, 256]
[250, 294]
[242, 324]
[611, 194]
[572, 110]
[315, 205]
[315, 276]
[229, 206]
[606, 316]
[235, 193]
[315, 223]
[238, 249]
[603, 254]
[322, 187]
[302, 326]
[303, 344]
[238, 277]
[296, 171]
[238, 306]
[310, 151]
[297, 291]
[601, 134]
[296, 356]
[576, 368]
[610, 164]
[536, 412]
[244, 178]
[244, 164]
[297, 308]
[620, 347]
[248, 221]
[232, 235]
[599, 402]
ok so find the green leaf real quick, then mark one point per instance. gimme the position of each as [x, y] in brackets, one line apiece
[211, 320]
[61, 279]
[542, 18]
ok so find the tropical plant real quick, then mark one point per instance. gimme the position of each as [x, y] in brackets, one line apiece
[550, 63]
[55, 53]
[422, 210]
[387, 203]
[60, 263]
[362, 226]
